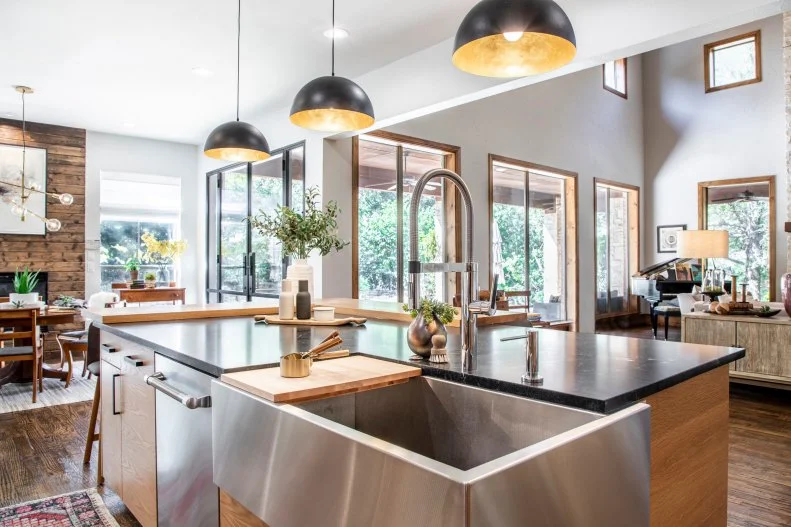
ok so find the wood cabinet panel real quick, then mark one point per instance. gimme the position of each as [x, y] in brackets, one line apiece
[689, 452]
[233, 514]
[711, 332]
[768, 348]
[110, 444]
[139, 465]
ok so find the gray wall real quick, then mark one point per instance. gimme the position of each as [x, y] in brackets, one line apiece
[692, 136]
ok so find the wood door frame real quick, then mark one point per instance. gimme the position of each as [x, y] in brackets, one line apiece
[572, 216]
[452, 211]
[634, 250]
[703, 188]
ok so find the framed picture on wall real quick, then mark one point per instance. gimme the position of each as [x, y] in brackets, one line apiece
[35, 173]
[667, 237]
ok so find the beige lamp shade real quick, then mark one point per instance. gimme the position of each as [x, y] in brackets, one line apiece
[702, 244]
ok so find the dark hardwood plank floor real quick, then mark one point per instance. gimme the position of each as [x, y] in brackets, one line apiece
[41, 456]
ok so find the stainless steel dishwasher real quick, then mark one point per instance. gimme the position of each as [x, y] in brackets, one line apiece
[186, 493]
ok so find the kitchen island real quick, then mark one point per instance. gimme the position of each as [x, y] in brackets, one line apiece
[685, 385]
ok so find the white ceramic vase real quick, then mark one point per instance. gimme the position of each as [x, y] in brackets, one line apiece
[25, 299]
[301, 270]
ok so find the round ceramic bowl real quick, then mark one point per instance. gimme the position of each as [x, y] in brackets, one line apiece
[323, 314]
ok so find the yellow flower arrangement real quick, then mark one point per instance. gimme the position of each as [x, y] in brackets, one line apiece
[162, 252]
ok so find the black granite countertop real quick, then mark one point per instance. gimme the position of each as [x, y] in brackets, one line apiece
[594, 372]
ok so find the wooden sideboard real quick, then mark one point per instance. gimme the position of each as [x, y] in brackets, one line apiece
[767, 342]
[156, 294]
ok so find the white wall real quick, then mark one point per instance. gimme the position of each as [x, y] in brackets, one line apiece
[569, 123]
[692, 136]
[116, 153]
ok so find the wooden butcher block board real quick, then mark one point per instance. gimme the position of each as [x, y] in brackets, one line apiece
[326, 379]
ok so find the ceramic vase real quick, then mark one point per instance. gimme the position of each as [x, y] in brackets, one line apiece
[301, 270]
[419, 335]
[786, 291]
[25, 299]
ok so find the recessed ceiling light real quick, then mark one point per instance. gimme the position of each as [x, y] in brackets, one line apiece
[336, 33]
[8, 114]
[202, 72]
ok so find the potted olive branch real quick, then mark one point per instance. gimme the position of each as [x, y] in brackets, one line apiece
[429, 320]
[302, 234]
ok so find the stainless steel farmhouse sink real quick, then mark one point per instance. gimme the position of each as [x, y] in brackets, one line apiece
[431, 453]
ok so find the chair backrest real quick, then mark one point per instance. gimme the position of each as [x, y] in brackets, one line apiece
[517, 295]
[23, 322]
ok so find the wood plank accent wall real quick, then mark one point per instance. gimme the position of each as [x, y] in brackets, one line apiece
[62, 253]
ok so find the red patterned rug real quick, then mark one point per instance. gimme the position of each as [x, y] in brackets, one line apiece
[84, 508]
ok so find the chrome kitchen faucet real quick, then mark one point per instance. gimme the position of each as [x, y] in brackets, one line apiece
[471, 307]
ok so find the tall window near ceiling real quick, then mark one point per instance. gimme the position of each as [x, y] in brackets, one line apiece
[746, 209]
[386, 168]
[614, 77]
[733, 62]
[131, 205]
[617, 246]
[533, 231]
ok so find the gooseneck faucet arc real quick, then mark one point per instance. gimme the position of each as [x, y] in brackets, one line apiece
[471, 307]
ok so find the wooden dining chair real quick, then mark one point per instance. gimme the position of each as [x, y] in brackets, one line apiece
[24, 343]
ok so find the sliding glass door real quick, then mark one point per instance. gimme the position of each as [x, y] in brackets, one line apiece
[243, 265]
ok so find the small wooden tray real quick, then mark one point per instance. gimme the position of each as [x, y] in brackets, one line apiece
[274, 319]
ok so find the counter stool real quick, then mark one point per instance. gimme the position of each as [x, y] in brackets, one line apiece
[665, 311]
[93, 435]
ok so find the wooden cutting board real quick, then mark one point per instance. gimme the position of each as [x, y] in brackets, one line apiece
[326, 379]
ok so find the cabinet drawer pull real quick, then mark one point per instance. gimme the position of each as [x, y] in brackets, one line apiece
[157, 380]
[109, 348]
[115, 375]
[134, 361]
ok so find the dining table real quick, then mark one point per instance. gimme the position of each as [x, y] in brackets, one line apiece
[22, 371]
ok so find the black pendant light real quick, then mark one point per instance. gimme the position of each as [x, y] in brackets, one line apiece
[237, 140]
[332, 104]
[514, 38]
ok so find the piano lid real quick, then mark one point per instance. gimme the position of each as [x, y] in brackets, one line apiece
[661, 266]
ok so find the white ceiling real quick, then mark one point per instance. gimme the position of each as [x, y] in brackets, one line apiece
[126, 67]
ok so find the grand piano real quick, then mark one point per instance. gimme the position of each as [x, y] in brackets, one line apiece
[657, 283]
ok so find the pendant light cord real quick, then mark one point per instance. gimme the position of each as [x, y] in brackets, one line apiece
[24, 144]
[333, 38]
[238, 52]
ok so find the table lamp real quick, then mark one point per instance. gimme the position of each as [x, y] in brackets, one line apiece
[705, 244]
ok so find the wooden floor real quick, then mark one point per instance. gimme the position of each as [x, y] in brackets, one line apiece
[41, 456]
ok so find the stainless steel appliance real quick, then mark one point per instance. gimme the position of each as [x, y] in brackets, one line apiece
[186, 493]
[431, 453]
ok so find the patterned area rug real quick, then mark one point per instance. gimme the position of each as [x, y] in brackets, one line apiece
[84, 508]
[16, 397]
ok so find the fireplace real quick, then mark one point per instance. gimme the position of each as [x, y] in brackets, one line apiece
[7, 285]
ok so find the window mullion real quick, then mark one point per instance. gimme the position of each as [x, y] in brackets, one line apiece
[400, 222]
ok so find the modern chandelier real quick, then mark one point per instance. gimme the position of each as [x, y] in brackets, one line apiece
[16, 190]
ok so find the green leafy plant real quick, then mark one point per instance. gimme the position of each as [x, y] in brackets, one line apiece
[64, 301]
[150, 277]
[132, 264]
[433, 308]
[26, 281]
[301, 234]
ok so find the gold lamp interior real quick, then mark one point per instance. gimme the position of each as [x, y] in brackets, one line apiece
[532, 54]
[332, 120]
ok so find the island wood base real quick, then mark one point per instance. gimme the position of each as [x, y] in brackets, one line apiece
[689, 457]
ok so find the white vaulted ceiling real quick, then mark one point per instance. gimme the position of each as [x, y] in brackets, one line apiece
[125, 66]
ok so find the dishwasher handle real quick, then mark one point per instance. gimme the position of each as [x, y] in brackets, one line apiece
[157, 380]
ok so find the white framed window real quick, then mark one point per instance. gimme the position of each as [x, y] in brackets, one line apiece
[733, 62]
[614, 77]
[131, 205]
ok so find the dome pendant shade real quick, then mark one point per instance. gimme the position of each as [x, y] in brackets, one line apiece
[514, 38]
[332, 104]
[236, 141]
